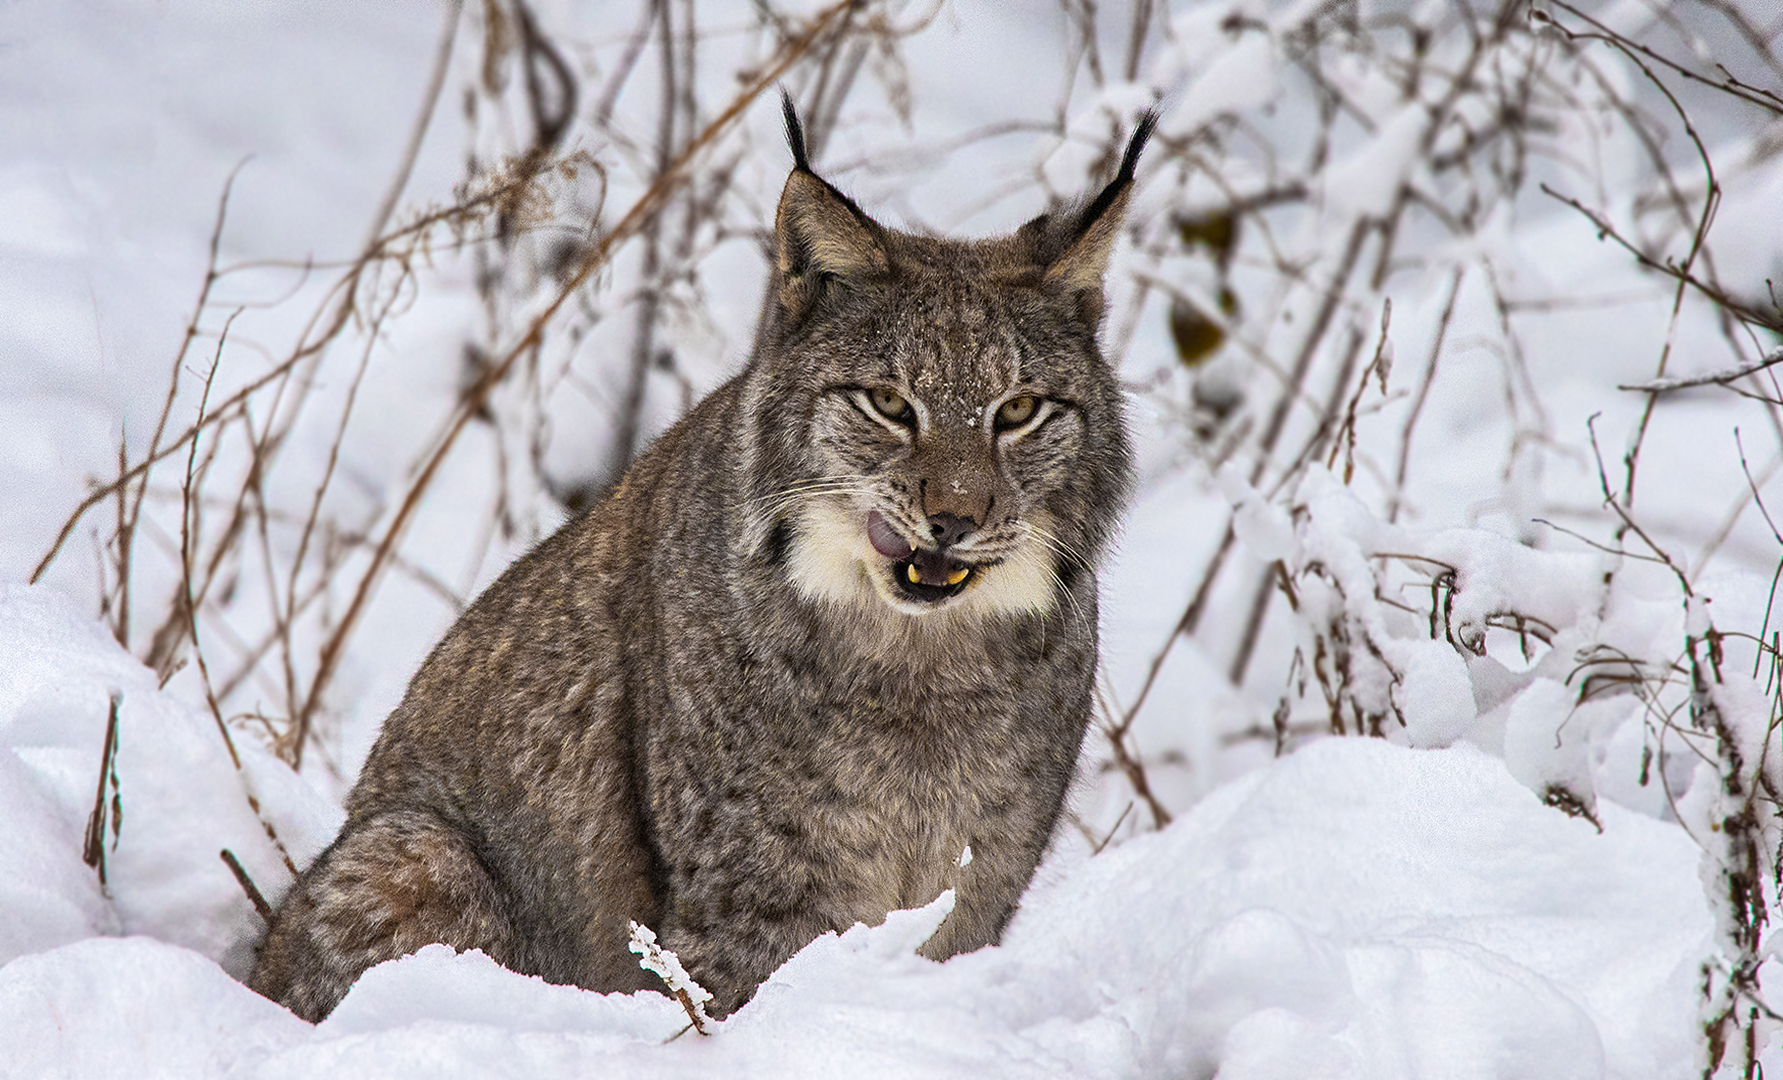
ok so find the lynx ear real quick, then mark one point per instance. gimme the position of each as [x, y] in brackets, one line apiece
[819, 233]
[1089, 237]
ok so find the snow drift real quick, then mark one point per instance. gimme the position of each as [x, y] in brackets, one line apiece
[1356, 909]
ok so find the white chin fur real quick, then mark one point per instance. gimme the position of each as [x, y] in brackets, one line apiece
[830, 559]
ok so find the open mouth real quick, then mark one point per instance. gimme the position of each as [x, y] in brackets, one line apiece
[929, 577]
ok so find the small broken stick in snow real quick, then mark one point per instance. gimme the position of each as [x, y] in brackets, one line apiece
[667, 966]
[112, 814]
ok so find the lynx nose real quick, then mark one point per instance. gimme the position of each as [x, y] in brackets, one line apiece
[950, 530]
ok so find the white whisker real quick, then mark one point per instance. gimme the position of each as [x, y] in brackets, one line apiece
[1052, 540]
[775, 503]
[807, 486]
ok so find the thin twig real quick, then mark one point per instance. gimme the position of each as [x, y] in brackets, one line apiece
[641, 212]
[1725, 377]
[1396, 501]
[436, 81]
[104, 813]
[248, 887]
[186, 514]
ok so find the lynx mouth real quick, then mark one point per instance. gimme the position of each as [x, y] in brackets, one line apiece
[919, 574]
[929, 577]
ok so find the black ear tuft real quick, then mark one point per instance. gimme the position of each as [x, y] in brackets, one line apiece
[821, 238]
[1142, 134]
[1123, 179]
[1088, 238]
[795, 133]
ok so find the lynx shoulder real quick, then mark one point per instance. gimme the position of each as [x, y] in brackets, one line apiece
[831, 629]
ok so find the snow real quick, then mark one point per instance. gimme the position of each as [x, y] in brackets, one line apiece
[1405, 906]
[1355, 910]
[1365, 183]
[1259, 524]
[1240, 77]
[182, 799]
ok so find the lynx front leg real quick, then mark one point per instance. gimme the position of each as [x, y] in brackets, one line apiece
[986, 891]
[387, 887]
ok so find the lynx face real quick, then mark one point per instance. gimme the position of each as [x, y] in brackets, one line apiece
[931, 428]
[949, 457]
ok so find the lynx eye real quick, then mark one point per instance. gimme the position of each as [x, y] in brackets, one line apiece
[1016, 411]
[890, 404]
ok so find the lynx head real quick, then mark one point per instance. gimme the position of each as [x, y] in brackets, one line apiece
[932, 426]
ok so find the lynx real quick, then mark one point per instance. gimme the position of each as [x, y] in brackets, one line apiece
[835, 627]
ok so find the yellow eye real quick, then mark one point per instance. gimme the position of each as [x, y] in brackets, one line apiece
[890, 404]
[1016, 411]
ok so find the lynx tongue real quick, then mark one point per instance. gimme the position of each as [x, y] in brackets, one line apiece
[885, 539]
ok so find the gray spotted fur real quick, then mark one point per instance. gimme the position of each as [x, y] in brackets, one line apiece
[701, 705]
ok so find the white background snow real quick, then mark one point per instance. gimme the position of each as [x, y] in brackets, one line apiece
[1358, 907]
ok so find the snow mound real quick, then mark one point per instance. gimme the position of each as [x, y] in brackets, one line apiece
[180, 799]
[1360, 909]
[1354, 910]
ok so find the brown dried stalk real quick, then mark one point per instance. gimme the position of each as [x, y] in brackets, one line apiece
[597, 256]
[105, 814]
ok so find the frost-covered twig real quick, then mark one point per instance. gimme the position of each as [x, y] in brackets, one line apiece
[1731, 823]
[1723, 377]
[667, 966]
[1736, 854]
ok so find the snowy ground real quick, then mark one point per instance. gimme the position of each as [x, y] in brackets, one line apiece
[1357, 908]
